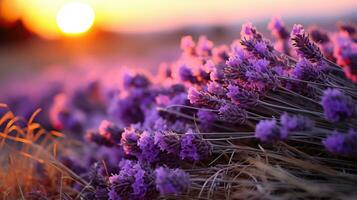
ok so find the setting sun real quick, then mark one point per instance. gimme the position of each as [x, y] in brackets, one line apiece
[75, 18]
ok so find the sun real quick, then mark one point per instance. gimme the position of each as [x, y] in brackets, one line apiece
[75, 18]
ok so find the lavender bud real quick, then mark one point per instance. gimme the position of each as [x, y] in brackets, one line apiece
[168, 141]
[201, 98]
[305, 70]
[278, 29]
[342, 143]
[268, 131]
[216, 89]
[337, 106]
[296, 122]
[241, 96]
[129, 141]
[193, 147]
[188, 45]
[135, 81]
[171, 181]
[304, 47]
[232, 114]
[149, 151]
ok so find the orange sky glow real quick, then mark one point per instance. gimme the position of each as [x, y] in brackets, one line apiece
[157, 15]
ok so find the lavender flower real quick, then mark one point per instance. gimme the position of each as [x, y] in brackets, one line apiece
[127, 110]
[64, 117]
[319, 36]
[168, 141]
[249, 31]
[201, 98]
[185, 74]
[304, 47]
[217, 73]
[129, 141]
[241, 96]
[207, 118]
[204, 46]
[216, 89]
[342, 143]
[261, 76]
[171, 181]
[137, 80]
[110, 130]
[295, 122]
[268, 131]
[304, 70]
[238, 55]
[348, 28]
[337, 106]
[278, 29]
[188, 45]
[99, 139]
[149, 151]
[232, 114]
[220, 54]
[132, 182]
[261, 47]
[193, 147]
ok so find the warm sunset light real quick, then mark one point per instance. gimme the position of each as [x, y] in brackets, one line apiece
[75, 18]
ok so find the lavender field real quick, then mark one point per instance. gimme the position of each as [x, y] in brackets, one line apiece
[269, 115]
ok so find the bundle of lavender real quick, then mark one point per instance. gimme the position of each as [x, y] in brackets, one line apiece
[249, 121]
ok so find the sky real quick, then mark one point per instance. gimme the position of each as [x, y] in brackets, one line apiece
[158, 15]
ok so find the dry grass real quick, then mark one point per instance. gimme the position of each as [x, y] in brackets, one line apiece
[29, 167]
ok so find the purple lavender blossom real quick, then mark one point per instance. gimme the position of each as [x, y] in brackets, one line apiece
[268, 131]
[179, 99]
[149, 151]
[220, 54]
[217, 73]
[295, 122]
[110, 130]
[70, 121]
[63, 117]
[137, 80]
[232, 113]
[350, 29]
[193, 147]
[249, 31]
[240, 96]
[168, 141]
[201, 98]
[204, 46]
[127, 111]
[185, 74]
[216, 89]
[277, 27]
[261, 76]
[129, 141]
[132, 182]
[99, 139]
[342, 143]
[207, 118]
[261, 47]
[337, 106]
[319, 36]
[238, 55]
[304, 47]
[188, 45]
[305, 70]
[171, 181]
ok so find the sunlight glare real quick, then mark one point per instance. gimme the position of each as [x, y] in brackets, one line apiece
[75, 18]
